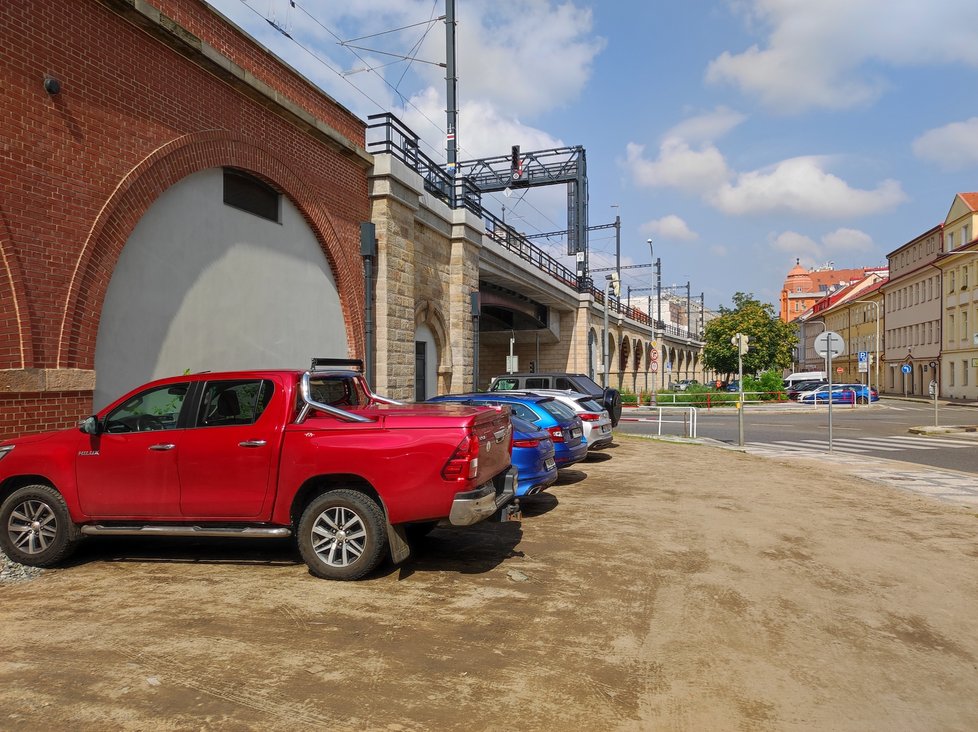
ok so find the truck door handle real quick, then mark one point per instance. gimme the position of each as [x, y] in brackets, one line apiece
[162, 446]
[252, 443]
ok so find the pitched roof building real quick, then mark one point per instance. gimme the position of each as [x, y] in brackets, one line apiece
[804, 287]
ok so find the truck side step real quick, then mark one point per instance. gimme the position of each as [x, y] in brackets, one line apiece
[253, 532]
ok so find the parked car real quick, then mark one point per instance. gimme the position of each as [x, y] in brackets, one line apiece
[597, 423]
[684, 384]
[802, 386]
[269, 453]
[566, 428]
[839, 394]
[800, 376]
[733, 386]
[864, 394]
[609, 398]
[533, 457]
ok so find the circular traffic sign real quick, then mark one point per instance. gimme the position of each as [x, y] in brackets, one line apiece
[839, 370]
[654, 367]
[829, 342]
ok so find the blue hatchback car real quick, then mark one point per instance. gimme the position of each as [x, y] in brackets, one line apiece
[533, 457]
[565, 428]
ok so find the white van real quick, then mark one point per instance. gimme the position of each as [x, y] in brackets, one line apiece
[800, 376]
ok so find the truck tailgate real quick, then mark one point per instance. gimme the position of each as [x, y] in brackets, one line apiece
[495, 431]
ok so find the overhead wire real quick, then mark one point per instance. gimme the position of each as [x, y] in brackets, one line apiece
[368, 67]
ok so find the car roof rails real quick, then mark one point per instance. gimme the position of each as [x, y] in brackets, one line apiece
[325, 364]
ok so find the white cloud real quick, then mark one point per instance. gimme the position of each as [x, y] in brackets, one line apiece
[813, 253]
[801, 186]
[848, 240]
[678, 166]
[818, 54]
[524, 55]
[517, 58]
[791, 242]
[707, 127]
[952, 147]
[483, 130]
[669, 227]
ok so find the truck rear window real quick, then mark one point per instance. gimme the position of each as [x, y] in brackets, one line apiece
[338, 391]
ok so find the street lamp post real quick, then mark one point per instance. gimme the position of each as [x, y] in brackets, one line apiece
[877, 355]
[604, 337]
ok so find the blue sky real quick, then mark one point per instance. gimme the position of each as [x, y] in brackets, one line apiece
[738, 134]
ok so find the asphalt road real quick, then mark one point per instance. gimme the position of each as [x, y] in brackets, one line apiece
[880, 429]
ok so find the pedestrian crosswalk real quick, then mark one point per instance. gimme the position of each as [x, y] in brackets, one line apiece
[866, 445]
[942, 484]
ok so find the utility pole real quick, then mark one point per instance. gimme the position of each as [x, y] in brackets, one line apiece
[702, 314]
[658, 291]
[451, 79]
[689, 311]
[618, 244]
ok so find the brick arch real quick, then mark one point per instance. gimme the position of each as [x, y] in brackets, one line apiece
[16, 324]
[143, 185]
[624, 350]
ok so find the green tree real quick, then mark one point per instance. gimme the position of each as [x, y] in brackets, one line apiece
[771, 341]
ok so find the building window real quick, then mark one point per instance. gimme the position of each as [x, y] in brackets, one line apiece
[950, 329]
[964, 325]
[964, 373]
[949, 239]
[247, 193]
[950, 373]
[965, 238]
[950, 287]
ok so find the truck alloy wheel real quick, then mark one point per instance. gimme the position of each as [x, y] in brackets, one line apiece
[36, 528]
[342, 535]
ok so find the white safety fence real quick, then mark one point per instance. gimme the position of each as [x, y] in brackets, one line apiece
[685, 416]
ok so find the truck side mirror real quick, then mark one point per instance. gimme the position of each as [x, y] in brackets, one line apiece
[90, 425]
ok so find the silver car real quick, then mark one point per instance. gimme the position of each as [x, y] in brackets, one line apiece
[597, 422]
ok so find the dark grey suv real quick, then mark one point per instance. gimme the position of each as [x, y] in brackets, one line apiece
[609, 398]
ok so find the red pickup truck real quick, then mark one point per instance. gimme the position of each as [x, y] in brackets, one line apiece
[269, 453]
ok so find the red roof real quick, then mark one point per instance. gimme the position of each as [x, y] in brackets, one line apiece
[971, 199]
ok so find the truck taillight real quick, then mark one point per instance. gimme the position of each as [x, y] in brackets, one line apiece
[526, 443]
[464, 462]
[556, 434]
[589, 416]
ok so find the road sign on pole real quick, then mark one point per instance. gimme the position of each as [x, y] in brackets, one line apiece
[829, 342]
[863, 362]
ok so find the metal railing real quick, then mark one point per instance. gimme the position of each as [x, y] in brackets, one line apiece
[688, 420]
[388, 135]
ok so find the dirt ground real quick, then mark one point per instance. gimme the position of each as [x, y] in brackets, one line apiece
[664, 587]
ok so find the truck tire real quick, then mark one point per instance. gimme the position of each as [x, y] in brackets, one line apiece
[342, 535]
[35, 527]
[612, 402]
